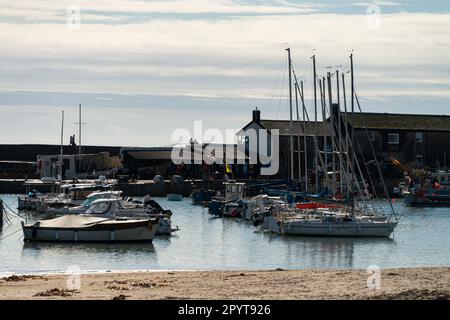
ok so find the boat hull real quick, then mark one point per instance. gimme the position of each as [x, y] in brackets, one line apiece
[136, 232]
[335, 230]
[432, 198]
[323, 229]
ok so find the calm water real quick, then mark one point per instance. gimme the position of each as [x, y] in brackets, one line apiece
[422, 238]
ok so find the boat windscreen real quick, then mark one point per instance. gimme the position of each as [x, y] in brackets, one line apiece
[100, 208]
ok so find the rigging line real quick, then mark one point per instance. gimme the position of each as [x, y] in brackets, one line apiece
[316, 143]
[358, 145]
[9, 235]
[376, 160]
[11, 210]
[335, 151]
[361, 174]
[6, 218]
[271, 97]
[281, 93]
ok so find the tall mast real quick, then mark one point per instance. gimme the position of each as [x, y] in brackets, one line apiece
[79, 132]
[304, 137]
[352, 130]
[61, 160]
[298, 132]
[291, 141]
[341, 168]
[62, 134]
[347, 168]
[315, 119]
[333, 158]
[324, 119]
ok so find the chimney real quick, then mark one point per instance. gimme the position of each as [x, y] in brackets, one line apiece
[335, 109]
[256, 115]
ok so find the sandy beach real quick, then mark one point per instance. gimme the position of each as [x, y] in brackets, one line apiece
[417, 283]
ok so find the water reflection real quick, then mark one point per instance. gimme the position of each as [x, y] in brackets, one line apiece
[89, 248]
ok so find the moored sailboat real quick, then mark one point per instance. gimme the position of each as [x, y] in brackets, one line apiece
[353, 215]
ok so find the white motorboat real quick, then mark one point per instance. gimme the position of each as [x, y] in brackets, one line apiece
[117, 208]
[71, 195]
[84, 206]
[83, 228]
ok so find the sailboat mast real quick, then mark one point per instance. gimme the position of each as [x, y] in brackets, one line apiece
[304, 137]
[79, 131]
[298, 131]
[324, 119]
[333, 158]
[315, 119]
[341, 168]
[347, 168]
[61, 160]
[62, 134]
[291, 140]
[352, 124]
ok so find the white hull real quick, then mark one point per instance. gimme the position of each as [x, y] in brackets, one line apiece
[331, 229]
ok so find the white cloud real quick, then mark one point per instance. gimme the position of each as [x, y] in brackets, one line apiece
[222, 58]
[41, 10]
[378, 3]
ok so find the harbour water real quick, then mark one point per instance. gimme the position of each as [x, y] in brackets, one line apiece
[421, 239]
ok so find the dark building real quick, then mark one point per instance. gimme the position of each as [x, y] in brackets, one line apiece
[416, 140]
[423, 140]
[145, 163]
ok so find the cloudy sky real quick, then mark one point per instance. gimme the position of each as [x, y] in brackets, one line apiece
[142, 69]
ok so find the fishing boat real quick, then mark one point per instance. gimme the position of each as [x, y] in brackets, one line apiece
[431, 191]
[201, 192]
[31, 199]
[177, 188]
[232, 204]
[89, 228]
[201, 196]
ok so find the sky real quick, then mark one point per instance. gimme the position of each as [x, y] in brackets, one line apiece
[142, 69]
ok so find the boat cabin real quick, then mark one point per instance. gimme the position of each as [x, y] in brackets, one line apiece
[100, 195]
[234, 191]
[105, 207]
[82, 191]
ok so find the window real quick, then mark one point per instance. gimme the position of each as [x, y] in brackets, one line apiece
[419, 136]
[371, 136]
[393, 138]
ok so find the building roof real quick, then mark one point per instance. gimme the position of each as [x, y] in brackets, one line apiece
[375, 121]
[165, 153]
[410, 122]
[311, 128]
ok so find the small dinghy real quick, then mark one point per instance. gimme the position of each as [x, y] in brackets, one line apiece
[82, 228]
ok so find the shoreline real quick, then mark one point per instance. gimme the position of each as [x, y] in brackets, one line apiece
[399, 283]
